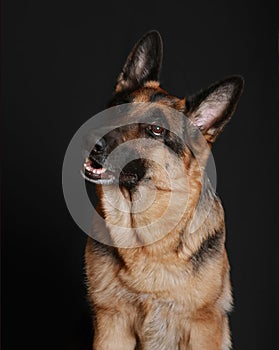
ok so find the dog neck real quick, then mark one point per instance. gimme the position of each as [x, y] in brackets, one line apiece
[183, 239]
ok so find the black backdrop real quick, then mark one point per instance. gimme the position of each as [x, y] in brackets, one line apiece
[60, 62]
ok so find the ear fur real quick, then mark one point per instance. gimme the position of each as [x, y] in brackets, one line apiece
[212, 108]
[143, 63]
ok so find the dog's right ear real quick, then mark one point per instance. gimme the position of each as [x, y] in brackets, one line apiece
[143, 63]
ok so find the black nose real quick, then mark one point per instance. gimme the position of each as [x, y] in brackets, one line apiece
[99, 146]
[132, 173]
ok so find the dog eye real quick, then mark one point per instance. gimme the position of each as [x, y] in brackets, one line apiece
[156, 130]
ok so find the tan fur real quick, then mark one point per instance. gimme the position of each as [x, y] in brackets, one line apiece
[142, 289]
[157, 269]
[153, 295]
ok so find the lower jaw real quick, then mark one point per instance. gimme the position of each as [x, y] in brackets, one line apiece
[99, 181]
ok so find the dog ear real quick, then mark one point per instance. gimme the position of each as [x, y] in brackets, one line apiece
[143, 63]
[212, 108]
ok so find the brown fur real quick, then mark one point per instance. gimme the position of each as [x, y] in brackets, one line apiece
[171, 294]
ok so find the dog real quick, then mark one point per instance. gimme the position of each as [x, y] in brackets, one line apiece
[155, 283]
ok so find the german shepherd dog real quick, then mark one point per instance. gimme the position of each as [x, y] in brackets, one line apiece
[170, 288]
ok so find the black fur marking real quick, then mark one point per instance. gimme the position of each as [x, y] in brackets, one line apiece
[174, 143]
[156, 115]
[157, 96]
[170, 139]
[121, 98]
[209, 248]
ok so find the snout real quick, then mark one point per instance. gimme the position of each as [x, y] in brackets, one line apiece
[99, 147]
[94, 169]
[102, 168]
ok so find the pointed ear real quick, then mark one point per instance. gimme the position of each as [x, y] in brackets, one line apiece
[143, 63]
[212, 108]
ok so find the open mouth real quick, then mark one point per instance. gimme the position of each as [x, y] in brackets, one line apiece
[96, 173]
[128, 177]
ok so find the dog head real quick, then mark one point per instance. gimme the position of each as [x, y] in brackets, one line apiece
[157, 136]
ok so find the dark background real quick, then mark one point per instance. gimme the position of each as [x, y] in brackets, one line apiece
[60, 62]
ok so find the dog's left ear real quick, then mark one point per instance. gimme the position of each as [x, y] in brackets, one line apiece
[212, 108]
[143, 63]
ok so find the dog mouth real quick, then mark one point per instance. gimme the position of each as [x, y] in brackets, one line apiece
[104, 174]
[96, 173]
